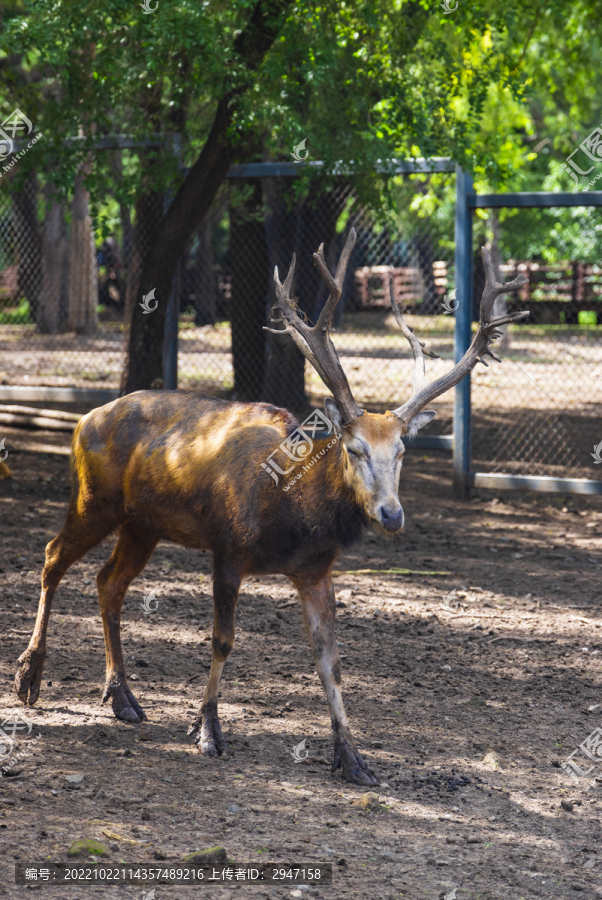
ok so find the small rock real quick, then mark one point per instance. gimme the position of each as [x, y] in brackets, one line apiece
[12, 772]
[296, 893]
[342, 862]
[157, 854]
[87, 847]
[234, 807]
[446, 668]
[114, 848]
[568, 805]
[492, 760]
[370, 801]
[74, 779]
[213, 856]
[577, 887]
[376, 744]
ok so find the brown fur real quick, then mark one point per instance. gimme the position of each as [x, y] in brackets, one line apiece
[183, 467]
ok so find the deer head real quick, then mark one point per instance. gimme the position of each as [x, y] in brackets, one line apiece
[372, 443]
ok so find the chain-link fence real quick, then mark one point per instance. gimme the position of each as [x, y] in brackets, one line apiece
[259, 225]
[539, 412]
[65, 303]
[57, 293]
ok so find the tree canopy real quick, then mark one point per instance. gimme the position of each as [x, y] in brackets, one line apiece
[507, 90]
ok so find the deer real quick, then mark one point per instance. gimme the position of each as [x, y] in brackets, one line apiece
[189, 468]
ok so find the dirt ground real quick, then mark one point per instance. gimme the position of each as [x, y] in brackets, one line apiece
[465, 708]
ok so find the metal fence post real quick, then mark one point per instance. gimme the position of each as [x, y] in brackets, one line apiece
[463, 333]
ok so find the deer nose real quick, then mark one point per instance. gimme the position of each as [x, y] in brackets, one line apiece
[392, 518]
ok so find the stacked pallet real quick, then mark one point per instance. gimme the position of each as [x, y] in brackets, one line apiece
[372, 285]
[558, 292]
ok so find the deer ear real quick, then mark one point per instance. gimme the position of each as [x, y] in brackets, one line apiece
[332, 411]
[420, 420]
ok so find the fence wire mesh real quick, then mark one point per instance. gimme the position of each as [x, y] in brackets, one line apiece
[261, 224]
[66, 300]
[539, 412]
[53, 283]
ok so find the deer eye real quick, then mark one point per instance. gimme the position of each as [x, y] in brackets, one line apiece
[357, 452]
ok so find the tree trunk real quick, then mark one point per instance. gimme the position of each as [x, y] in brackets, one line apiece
[29, 243]
[83, 276]
[52, 311]
[192, 202]
[149, 212]
[202, 280]
[249, 265]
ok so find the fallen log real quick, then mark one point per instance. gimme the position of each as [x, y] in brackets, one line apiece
[48, 424]
[46, 413]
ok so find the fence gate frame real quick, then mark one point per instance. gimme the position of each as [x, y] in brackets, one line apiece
[467, 200]
[417, 166]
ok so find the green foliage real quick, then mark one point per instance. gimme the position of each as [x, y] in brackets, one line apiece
[506, 90]
[18, 315]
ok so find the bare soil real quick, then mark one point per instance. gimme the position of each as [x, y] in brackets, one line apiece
[464, 710]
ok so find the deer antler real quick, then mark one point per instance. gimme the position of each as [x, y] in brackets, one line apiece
[314, 341]
[423, 392]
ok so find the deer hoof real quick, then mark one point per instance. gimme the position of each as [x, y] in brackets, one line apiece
[29, 675]
[210, 741]
[125, 706]
[350, 760]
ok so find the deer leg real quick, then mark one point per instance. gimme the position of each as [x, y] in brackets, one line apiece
[79, 534]
[319, 613]
[226, 583]
[129, 557]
